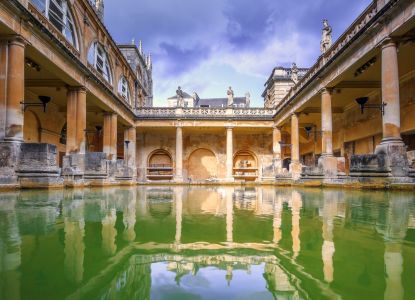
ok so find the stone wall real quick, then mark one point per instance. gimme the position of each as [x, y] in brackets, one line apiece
[204, 154]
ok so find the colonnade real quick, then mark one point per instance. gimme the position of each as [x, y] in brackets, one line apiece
[391, 145]
[13, 104]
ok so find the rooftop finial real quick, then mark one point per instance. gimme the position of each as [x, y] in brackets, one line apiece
[133, 41]
[140, 47]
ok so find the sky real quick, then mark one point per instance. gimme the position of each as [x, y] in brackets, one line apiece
[205, 46]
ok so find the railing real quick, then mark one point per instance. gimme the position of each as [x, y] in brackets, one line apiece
[352, 33]
[204, 113]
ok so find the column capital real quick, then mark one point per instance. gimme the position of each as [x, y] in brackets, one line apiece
[326, 90]
[230, 127]
[388, 42]
[80, 89]
[17, 40]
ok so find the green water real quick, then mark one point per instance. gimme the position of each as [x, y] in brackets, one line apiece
[207, 243]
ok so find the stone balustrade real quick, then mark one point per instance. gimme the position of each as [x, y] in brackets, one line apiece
[205, 113]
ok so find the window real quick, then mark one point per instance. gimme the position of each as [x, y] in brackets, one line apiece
[58, 13]
[123, 89]
[99, 59]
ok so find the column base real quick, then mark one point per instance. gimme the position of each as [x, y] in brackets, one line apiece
[38, 166]
[9, 158]
[178, 179]
[328, 165]
[394, 156]
[296, 170]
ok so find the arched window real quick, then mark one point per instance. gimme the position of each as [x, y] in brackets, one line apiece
[124, 89]
[58, 13]
[99, 59]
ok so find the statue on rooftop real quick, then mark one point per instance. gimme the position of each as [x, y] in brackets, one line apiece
[179, 94]
[294, 73]
[326, 40]
[230, 96]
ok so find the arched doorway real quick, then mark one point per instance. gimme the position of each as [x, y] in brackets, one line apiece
[202, 165]
[245, 166]
[160, 165]
[31, 128]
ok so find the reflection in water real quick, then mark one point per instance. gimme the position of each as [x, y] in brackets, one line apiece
[10, 248]
[73, 214]
[227, 242]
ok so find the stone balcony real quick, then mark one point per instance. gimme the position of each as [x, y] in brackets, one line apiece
[202, 113]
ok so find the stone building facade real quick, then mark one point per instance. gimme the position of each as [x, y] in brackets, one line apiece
[76, 109]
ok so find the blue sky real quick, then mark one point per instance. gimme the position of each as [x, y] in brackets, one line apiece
[208, 45]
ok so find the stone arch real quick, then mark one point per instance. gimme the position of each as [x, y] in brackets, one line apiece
[202, 164]
[159, 165]
[31, 127]
[245, 165]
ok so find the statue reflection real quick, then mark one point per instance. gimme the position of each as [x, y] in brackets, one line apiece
[394, 225]
[73, 214]
[10, 247]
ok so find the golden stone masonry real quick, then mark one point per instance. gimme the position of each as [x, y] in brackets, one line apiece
[76, 109]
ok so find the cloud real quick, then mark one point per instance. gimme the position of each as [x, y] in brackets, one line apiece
[206, 46]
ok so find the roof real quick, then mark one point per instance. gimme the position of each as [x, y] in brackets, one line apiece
[185, 95]
[220, 102]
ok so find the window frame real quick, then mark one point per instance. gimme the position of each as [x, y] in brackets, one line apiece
[67, 22]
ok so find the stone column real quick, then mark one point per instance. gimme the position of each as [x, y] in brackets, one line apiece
[130, 151]
[4, 49]
[76, 121]
[390, 93]
[295, 166]
[229, 154]
[326, 123]
[392, 146]
[179, 154]
[15, 90]
[327, 162]
[276, 149]
[110, 136]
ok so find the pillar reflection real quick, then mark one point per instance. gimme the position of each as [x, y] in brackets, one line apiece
[229, 215]
[179, 214]
[109, 218]
[74, 222]
[129, 214]
[395, 226]
[277, 221]
[296, 203]
[10, 247]
[328, 212]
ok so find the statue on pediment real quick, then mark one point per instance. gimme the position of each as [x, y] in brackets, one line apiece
[326, 40]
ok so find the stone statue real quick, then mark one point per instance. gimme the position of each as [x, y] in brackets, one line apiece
[248, 99]
[179, 94]
[230, 96]
[294, 73]
[326, 40]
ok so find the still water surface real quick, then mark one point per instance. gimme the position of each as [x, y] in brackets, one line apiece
[207, 243]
